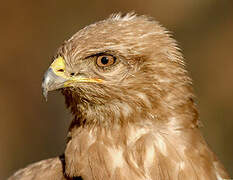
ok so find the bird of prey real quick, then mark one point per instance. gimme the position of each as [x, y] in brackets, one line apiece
[134, 115]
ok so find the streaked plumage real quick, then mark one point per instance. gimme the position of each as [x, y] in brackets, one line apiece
[134, 117]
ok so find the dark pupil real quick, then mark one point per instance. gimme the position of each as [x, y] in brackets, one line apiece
[104, 60]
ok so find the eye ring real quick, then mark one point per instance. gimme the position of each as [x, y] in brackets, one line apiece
[105, 60]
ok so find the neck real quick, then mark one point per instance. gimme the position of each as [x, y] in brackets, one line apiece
[173, 109]
[123, 128]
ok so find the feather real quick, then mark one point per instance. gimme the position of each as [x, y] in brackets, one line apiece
[139, 120]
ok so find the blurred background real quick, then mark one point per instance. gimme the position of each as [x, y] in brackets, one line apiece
[30, 32]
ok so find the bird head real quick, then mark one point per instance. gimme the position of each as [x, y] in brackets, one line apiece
[124, 63]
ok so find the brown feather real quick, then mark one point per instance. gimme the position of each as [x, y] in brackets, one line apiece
[50, 169]
[142, 121]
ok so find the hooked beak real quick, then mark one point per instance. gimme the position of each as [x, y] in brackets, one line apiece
[51, 82]
[56, 78]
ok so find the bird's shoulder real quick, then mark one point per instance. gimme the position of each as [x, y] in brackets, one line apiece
[45, 169]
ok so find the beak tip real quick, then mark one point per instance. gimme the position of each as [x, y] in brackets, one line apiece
[45, 94]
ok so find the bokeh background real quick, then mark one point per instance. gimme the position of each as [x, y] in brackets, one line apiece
[30, 32]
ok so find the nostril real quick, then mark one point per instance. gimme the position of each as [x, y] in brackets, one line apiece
[71, 74]
[60, 70]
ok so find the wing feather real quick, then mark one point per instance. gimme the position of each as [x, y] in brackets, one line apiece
[46, 169]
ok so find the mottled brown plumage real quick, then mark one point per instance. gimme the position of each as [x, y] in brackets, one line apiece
[133, 119]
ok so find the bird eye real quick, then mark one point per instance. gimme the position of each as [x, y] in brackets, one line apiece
[105, 60]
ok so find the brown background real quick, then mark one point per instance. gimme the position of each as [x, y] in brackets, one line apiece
[30, 32]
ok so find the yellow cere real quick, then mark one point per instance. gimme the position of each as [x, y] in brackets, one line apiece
[58, 65]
